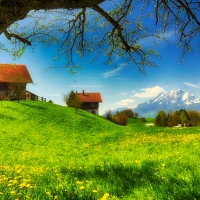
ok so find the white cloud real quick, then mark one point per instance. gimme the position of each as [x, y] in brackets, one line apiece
[123, 93]
[112, 73]
[125, 102]
[149, 92]
[133, 91]
[191, 85]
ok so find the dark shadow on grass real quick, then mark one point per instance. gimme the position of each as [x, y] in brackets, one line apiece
[4, 116]
[122, 180]
[34, 106]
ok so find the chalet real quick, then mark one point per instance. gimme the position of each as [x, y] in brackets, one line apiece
[31, 96]
[90, 101]
[13, 81]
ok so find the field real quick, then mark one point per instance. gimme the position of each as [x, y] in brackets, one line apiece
[49, 152]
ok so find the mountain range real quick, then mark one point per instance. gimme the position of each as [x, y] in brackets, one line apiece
[168, 101]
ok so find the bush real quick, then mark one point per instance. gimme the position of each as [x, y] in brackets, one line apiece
[109, 115]
[120, 118]
[129, 113]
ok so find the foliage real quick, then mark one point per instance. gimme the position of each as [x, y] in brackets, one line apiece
[128, 113]
[72, 100]
[109, 115]
[187, 118]
[194, 117]
[94, 159]
[110, 29]
[142, 119]
[161, 118]
[120, 118]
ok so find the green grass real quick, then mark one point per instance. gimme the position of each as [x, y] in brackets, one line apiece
[49, 152]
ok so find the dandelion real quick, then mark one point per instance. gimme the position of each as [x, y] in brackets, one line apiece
[94, 191]
[13, 192]
[48, 193]
[82, 187]
[105, 196]
[55, 197]
[1, 193]
[79, 182]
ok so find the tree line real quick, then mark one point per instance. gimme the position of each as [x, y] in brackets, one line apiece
[120, 118]
[183, 117]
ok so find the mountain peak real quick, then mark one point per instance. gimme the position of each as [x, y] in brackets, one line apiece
[172, 100]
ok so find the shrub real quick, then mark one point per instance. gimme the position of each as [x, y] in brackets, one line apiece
[129, 113]
[142, 119]
[109, 115]
[120, 118]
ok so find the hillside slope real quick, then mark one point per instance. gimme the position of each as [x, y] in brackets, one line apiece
[49, 130]
[49, 152]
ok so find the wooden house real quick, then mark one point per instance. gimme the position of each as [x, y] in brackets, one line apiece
[90, 101]
[13, 81]
[31, 96]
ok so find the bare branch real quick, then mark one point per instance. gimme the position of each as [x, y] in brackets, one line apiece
[10, 35]
[116, 25]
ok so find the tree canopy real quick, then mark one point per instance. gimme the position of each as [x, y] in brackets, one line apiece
[108, 27]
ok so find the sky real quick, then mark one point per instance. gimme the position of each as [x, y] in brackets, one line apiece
[120, 87]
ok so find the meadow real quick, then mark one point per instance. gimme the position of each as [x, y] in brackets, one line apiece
[50, 152]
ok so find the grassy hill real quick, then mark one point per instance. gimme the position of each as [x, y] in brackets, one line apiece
[49, 152]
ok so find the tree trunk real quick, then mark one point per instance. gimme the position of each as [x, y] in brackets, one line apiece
[14, 10]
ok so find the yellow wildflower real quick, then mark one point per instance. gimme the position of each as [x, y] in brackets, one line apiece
[13, 192]
[79, 182]
[56, 197]
[105, 196]
[82, 187]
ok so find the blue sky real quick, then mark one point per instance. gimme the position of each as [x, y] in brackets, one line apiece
[121, 87]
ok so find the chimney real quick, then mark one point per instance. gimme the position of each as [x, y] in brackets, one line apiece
[83, 92]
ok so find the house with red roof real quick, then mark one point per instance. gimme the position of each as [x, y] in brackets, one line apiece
[13, 81]
[90, 101]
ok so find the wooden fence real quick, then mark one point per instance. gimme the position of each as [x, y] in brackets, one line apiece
[36, 98]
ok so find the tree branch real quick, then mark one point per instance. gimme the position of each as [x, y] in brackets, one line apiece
[10, 35]
[116, 25]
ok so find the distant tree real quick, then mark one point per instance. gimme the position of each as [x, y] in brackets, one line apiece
[176, 118]
[109, 114]
[120, 118]
[194, 118]
[135, 114]
[50, 101]
[161, 118]
[72, 100]
[142, 119]
[170, 121]
[129, 113]
[184, 118]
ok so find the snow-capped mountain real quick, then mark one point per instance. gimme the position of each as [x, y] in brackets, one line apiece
[172, 100]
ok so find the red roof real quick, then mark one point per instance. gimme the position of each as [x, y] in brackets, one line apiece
[89, 97]
[14, 73]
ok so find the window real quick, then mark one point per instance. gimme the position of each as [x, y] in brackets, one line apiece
[93, 105]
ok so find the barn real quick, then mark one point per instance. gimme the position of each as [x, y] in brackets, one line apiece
[13, 81]
[90, 101]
